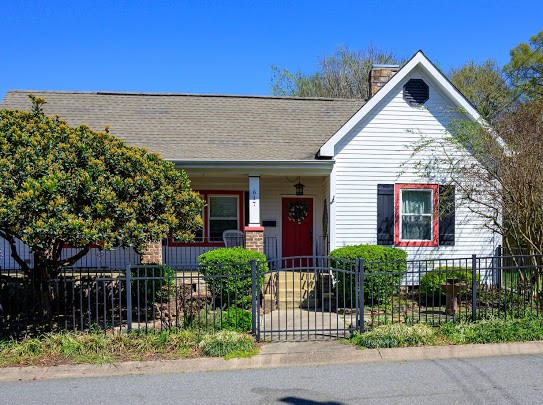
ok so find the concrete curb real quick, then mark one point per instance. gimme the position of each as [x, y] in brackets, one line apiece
[274, 355]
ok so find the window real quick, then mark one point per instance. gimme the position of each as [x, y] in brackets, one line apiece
[388, 218]
[416, 215]
[223, 215]
[224, 210]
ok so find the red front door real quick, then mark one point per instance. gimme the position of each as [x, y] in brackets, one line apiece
[297, 223]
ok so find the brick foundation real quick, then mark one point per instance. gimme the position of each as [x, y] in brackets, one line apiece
[254, 238]
[152, 253]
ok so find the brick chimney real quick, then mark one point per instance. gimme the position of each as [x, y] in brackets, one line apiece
[379, 76]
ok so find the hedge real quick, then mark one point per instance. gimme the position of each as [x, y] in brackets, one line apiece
[430, 283]
[155, 283]
[227, 272]
[384, 268]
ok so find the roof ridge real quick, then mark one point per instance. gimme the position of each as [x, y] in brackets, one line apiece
[158, 94]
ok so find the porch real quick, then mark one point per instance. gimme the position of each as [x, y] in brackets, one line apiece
[255, 197]
[286, 204]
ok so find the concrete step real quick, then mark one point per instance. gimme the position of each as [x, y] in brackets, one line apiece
[292, 288]
[268, 297]
[303, 286]
[296, 275]
[288, 305]
[291, 297]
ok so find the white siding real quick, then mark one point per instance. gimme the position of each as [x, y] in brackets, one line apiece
[116, 258]
[376, 152]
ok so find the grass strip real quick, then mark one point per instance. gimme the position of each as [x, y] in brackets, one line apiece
[483, 331]
[99, 348]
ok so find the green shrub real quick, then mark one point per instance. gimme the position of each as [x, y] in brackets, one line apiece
[396, 335]
[494, 331]
[210, 320]
[226, 342]
[227, 272]
[154, 283]
[384, 268]
[430, 283]
[237, 319]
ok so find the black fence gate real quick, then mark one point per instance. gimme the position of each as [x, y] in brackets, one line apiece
[308, 297]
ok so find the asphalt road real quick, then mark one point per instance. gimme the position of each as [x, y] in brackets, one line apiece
[489, 380]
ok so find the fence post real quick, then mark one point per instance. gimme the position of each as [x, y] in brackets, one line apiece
[360, 270]
[128, 297]
[498, 266]
[474, 288]
[254, 298]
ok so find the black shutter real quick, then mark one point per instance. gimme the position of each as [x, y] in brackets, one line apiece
[385, 214]
[446, 215]
[246, 207]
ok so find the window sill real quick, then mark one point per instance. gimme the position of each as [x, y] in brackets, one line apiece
[417, 243]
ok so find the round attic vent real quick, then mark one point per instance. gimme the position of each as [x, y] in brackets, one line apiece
[416, 92]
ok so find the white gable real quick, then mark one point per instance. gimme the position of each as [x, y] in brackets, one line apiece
[377, 147]
[419, 63]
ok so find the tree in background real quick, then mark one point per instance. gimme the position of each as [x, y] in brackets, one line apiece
[342, 75]
[484, 85]
[490, 88]
[62, 185]
[526, 68]
[497, 177]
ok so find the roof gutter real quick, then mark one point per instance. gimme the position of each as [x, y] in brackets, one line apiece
[256, 167]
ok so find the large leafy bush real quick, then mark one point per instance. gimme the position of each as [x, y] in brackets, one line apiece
[430, 283]
[384, 267]
[153, 283]
[227, 271]
[61, 185]
[237, 319]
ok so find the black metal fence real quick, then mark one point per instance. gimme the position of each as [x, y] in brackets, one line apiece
[304, 297]
[445, 290]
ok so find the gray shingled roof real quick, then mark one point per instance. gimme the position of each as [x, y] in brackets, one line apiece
[202, 127]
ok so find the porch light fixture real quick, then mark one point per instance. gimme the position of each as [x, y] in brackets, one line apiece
[299, 188]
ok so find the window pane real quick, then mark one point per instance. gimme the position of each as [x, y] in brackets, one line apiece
[416, 202]
[416, 227]
[218, 226]
[223, 207]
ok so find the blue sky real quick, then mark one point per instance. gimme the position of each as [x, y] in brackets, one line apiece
[227, 47]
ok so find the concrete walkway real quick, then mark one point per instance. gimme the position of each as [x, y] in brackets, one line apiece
[303, 324]
[275, 355]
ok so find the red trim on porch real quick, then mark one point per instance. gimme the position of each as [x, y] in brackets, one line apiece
[254, 229]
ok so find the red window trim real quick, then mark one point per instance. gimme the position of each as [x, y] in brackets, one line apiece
[397, 201]
[204, 194]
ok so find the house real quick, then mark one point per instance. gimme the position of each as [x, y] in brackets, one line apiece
[303, 176]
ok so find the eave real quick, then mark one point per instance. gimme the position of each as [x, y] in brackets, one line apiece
[257, 167]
